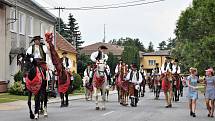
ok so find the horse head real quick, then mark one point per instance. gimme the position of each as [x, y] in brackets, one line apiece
[28, 65]
[101, 68]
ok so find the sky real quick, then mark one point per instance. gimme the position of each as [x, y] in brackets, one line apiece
[153, 22]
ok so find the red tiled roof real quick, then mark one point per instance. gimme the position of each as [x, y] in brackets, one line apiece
[115, 49]
[63, 44]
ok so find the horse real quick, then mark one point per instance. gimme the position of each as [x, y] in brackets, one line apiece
[122, 86]
[100, 82]
[35, 84]
[157, 86]
[167, 80]
[142, 87]
[63, 76]
[149, 81]
[176, 87]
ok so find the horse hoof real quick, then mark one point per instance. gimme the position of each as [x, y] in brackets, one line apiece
[31, 116]
[103, 108]
[97, 108]
[36, 116]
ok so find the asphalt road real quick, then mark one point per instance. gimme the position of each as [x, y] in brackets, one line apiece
[148, 109]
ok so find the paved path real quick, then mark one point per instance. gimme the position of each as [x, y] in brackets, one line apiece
[147, 110]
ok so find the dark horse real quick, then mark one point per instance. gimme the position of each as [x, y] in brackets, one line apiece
[35, 84]
[62, 74]
[176, 87]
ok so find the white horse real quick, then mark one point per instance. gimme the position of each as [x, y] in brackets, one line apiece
[100, 82]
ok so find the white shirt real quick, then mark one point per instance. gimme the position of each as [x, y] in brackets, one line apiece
[117, 68]
[69, 62]
[90, 72]
[134, 78]
[95, 54]
[167, 68]
[37, 51]
[174, 69]
[108, 69]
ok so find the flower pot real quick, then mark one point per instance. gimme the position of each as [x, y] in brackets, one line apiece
[3, 86]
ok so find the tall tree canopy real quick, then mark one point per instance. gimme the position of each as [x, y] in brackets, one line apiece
[195, 36]
[151, 47]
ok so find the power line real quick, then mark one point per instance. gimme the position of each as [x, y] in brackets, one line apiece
[111, 7]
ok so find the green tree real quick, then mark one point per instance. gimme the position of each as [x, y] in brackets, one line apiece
[83, 60]
[74, 35]
[130, 55]
[62, 30]
[112, 62]
[162, 45]
[195, 32]
[151, 47]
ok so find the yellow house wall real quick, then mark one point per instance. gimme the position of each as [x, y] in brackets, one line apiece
[72, 57]
[145, 61]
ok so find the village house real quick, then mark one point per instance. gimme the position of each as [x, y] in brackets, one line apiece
[62, 45]
[115, 49]
[149, 60]
[22, 19]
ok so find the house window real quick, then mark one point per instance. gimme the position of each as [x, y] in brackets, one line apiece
[21, 23]
[152, 62]
[31, 26]
[13, 23]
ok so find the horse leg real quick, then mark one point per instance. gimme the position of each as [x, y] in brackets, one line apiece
[45, 103]
[29, 105]
[62, 100]
[97, 97]
[86, 93]
[37, 105]
[107, 92]
[67, 99]
[103, 97]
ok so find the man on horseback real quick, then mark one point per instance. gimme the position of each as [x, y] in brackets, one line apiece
[176, 80]
[100, 73]
[87, 82]
[67, 63]
[121, 71]
[135, 78]
[142, 85]
[39, 52]
[156, 81]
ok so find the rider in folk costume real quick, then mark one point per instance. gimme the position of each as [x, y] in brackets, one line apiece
[135, 78]
[156, 80]
[67, 63]
[39, 52]
[142, 85]
[176, 80]
[87, 82]
[166, 77]
[100, 73]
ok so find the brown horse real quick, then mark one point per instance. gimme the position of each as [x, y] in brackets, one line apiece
[167, 80]
[176, 87]
[62, 74]
[122, 86]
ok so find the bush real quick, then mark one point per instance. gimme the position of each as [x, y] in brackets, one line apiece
[18, 77]
[77, 82]
[17, 89]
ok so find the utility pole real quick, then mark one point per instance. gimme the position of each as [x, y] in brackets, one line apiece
[59, 10]
[104, 34]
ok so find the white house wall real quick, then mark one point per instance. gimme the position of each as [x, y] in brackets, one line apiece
[18, 40]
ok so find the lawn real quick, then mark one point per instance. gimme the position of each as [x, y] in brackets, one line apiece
[6, 97]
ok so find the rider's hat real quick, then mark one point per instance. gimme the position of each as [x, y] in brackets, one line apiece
[176, 60]
[36, 38]
[120, 59]
[103, 47]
